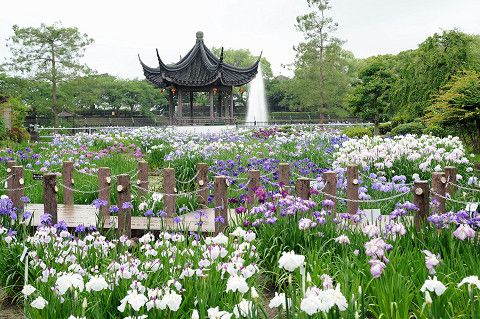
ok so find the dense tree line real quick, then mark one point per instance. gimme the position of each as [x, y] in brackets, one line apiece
[431, 88]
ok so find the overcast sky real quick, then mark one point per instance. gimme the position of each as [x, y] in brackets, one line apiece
[122, 29]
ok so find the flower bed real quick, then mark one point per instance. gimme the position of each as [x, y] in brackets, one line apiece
[283, 256]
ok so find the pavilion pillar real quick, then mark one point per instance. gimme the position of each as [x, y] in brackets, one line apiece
[170, 107]
[211, 104]
[191, 106]
[231, 105]
[226, 105]
[179, 107]
[220, 103]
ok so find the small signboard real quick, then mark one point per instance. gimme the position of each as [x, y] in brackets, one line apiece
[37, 176]
[472, 208]
[372, 215]
[316, 184]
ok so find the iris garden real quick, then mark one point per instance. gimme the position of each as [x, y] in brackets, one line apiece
[283, 257]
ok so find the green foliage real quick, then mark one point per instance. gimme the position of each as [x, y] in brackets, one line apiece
[436, 130]
[458, 106]
[49, 53]
[243, 58]
[323, 70]
[3, 130]
[358, 131]
[385, 127]
[422, 72]
[408, 128]
[107, 92]
[18, 134]
[370, 97]
[19, 111]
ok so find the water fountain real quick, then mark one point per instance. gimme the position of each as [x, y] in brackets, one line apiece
[257, 111]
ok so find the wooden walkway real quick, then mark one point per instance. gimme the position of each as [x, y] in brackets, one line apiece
[74, 215]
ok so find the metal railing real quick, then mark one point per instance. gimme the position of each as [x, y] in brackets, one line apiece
[49, 132]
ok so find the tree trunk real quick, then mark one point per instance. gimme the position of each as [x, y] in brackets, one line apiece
[376, 125]
[476, 141]
[54, 88]
[322, 74]
[54, 105]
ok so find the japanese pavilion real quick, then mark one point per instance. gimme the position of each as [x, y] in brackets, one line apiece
[200, 71]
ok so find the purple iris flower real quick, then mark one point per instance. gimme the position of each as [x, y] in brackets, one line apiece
[177, 220]
[127, 205]
[113, 209]
[80, 229]
[46, 219]
[61, 225]
[148, 213]
[99, 203]
[220, 219]
[25, 199]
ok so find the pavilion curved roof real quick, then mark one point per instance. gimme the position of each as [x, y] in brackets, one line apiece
[199, 68]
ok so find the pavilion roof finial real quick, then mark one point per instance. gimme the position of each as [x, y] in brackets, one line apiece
[199, 36]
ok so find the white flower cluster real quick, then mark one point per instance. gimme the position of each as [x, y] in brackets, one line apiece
[91, 267]
[426, 151]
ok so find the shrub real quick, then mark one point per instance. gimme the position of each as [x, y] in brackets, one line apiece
[385, 127]
[436, 130]
[3, 130]
[18, 134]
[358, 131]
[408, 128]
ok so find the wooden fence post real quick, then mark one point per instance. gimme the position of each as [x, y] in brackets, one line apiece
[169, 188]
[202, 181]
[142, 180]
[17, 190]
[221, 203]
[439, 183]
[352, 189]
[451, 176]
[68, 183]
[124, 196]
[10, 164]
[50, 196]
[253, 184]
[421, 196]
[302, 188]
[330, 188]
[104, 181]
[284, 176]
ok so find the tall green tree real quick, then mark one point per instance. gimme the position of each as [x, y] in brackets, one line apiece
[370, 97]
[106, 92]
[49, 53]
[323, 70]
[244, 58]
[458, 107]
[34, 94]
[422, 72]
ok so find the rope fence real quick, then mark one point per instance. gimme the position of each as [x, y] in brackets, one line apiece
[348, 192]
[476, 190]
[189, 181]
